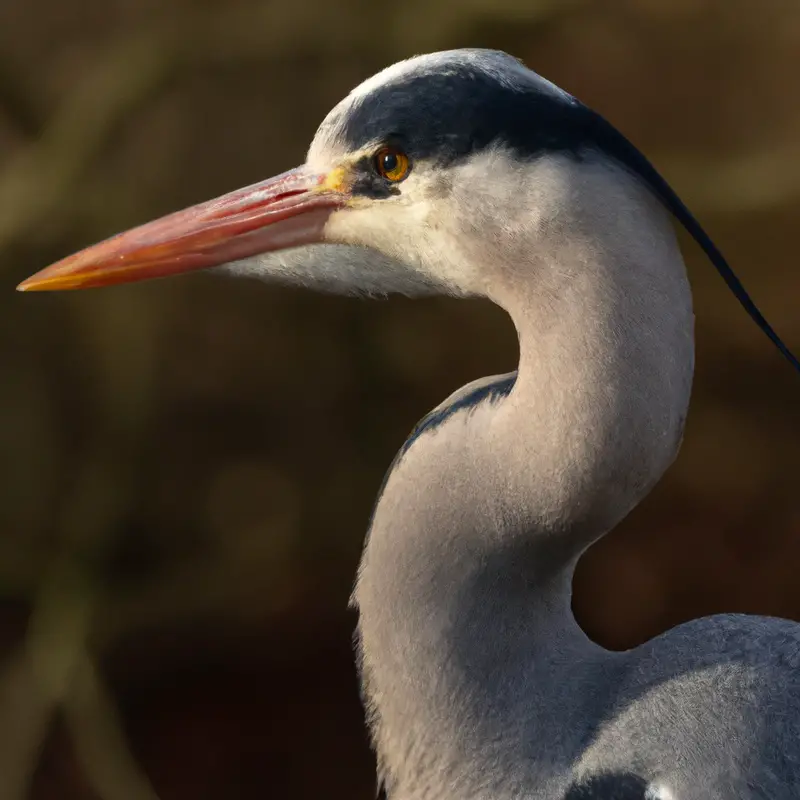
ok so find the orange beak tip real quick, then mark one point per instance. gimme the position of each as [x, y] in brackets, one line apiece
[48, 283]
[27, 286]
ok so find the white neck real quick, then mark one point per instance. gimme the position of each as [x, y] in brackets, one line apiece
[468, 644]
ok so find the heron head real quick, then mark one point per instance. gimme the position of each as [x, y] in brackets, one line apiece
[410, 183]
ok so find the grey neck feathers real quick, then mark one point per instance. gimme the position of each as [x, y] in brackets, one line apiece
[468, 644]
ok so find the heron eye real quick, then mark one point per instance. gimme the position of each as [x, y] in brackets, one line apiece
[392, 164]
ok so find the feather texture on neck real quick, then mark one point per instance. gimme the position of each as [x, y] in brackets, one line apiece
[464, 586]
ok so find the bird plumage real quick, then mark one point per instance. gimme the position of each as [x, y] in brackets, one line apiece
[478, 682]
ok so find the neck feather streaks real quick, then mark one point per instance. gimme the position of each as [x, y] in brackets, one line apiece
[467, 640]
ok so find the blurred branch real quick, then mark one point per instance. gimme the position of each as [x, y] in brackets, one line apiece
[25, 717]
[53, 672]
[99, 742]
[37, 678]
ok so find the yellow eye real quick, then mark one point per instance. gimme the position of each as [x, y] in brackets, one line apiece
[392, 164]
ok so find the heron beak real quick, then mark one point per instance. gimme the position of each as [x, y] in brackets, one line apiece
[287, 211]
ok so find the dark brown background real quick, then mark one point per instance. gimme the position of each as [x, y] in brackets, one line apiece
[188, 466]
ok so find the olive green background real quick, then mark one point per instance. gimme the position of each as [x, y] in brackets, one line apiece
[187, 467]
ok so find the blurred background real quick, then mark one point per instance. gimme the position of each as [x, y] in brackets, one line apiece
[187, 467]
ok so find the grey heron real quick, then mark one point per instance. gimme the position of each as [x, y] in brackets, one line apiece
[467, 174]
